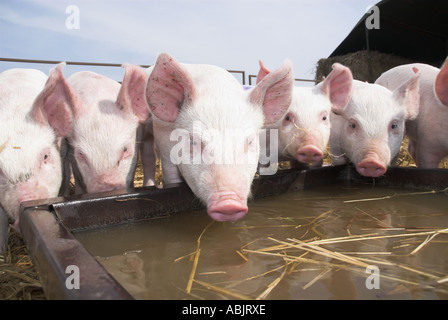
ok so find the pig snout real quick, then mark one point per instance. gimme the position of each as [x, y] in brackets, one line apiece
[371, 166]
[226, 206]
[105, 183]
[309, 154]
[27, 191]
[31, 191]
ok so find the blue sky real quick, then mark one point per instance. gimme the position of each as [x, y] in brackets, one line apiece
[233, 34]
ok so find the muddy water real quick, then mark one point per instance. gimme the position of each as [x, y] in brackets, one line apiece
[163, 259]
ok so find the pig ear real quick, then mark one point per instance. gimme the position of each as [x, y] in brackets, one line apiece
[441, 84]
[263, 72]
[274, 93]
[131, 97]
[338, 86]
[169, 88]
[408, 95]
[53, 105]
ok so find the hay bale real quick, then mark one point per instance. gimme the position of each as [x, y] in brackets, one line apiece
[365, 65]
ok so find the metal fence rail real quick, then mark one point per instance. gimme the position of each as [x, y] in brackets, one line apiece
[100, 64]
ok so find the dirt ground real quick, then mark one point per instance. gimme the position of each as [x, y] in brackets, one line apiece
[19, 279]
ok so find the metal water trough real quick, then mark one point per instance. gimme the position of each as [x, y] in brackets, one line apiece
[47, 225]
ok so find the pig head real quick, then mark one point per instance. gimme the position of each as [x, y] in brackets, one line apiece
[428, 143]
[370, 130]
[206, 128]
[30, 140]
[104, 120]
[304, 132]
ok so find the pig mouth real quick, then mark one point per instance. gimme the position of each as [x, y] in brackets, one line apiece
[226, 206]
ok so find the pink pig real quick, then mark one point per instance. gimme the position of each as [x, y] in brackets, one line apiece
[104, 121]
[304, 131]
[206, 128]
[30, 140]
[428, 134]
[370, 130]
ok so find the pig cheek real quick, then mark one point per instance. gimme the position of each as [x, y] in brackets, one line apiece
[287, 135]
[6, 193]
[49, 175]
[82, 163]
[396, 134]
[8, 201]
[352, 140]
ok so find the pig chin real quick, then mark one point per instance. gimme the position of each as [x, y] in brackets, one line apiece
[226, 206]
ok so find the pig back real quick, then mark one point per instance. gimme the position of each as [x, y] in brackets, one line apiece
[18, 89]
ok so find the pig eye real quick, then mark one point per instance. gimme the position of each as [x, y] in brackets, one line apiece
[288, 117]
[81, 156]
[394, 126]
[324, 118]
[195, 143]
[352, 125]
[125, 152]
[44, 157]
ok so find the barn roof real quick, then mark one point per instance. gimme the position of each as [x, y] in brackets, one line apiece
[414, 29]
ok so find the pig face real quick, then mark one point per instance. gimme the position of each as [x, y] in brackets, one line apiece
[427, 133]
[30, 163]
[304, 131]
[213, 125]
[103, 135]
[369, 131]
[223, 157]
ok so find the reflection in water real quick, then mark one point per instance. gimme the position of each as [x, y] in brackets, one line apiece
[312, 244]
